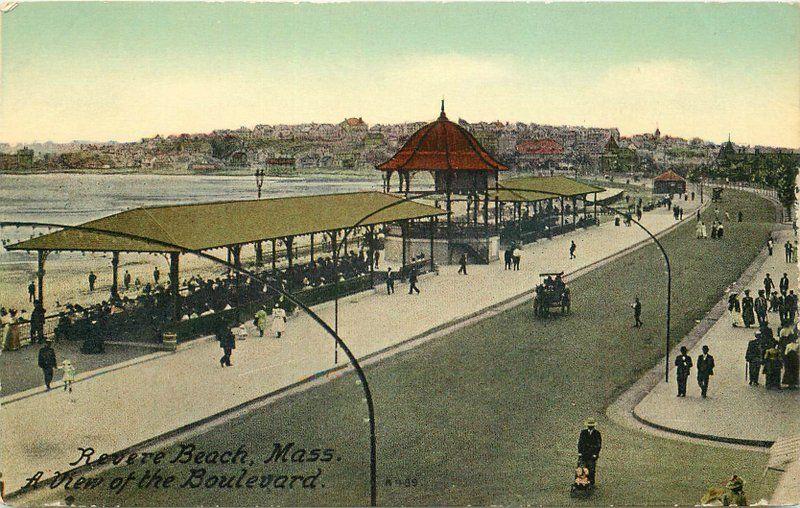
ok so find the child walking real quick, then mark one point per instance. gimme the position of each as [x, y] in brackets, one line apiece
[69, 374]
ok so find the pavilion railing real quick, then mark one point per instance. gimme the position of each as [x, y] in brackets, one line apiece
[149, 326]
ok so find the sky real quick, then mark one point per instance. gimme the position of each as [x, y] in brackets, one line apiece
[122, 71]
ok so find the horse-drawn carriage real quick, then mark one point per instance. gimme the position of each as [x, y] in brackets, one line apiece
[552, 295]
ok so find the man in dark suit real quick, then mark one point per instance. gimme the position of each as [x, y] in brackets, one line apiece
[226, 341]
[637, 313]
[412, 282]
[705, 369]
[47, 362]
[784, 284]
[589, 444]
[683, 362]
[753, 358]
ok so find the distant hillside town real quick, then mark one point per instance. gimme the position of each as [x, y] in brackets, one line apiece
[353, 145]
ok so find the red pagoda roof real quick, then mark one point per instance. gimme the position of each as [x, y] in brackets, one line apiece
[669, 176]
[442, 146]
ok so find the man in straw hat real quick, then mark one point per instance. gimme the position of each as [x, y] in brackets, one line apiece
[735, 495]
[589, 444]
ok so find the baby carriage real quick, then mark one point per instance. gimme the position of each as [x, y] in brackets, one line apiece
[581, 486]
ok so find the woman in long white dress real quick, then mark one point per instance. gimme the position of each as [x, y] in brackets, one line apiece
[278, 321]
[735, 310]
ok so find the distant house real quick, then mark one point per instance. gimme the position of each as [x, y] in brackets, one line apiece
[618, 159]
[544, 153]
[669, 182]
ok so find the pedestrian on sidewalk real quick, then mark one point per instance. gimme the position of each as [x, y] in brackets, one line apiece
[748, 317]
[508, 257]
[516, 256]
[261, 320]
[772, 367]
[462, 261]
[705, 369]
[278, 320]
[787, 248]
[412, 282]
[770, 245]
[684, 364]
[791, 368]
[31, 292]
[47, 362]
[590, 442]
[769, 284]
[69, 374]
[572, 248]
[93, 279]
[792, 304]
[735, 310]
[760, 307]
[753, 358]
[226, 341]
[783, 284]
[775, 302]
[389, 281]
[720, 231]
[637, 312]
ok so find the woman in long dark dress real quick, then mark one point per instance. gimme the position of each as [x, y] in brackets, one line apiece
[772, 368]
[791, 366]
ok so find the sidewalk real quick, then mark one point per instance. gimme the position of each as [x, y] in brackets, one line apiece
[127, 406]
[733, 411]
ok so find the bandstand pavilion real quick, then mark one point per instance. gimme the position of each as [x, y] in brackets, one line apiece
[465, 173]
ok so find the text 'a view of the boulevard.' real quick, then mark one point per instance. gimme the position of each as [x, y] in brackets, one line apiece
[434, 266]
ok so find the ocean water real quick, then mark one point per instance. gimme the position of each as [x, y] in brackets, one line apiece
[76, 198]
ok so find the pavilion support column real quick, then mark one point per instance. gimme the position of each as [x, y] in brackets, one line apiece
[562, 211]
[274, 254]
[486, 210]
[236, 253]
[433, 235]
[259, 254]
[574, 210]
[449, 209]
[595, 206]
[114, 275]
[312, 247]
[288, 241]
[174, 273]
[404, 239]
[371, 254]
[42, 256]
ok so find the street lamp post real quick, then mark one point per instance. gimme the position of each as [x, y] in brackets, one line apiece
[259, 175]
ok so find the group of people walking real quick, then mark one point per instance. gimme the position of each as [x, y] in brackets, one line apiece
[750, 310]
[769, 356]
[705, 369]
[512, 257]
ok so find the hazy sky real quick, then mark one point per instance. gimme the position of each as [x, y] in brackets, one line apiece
[121, 71]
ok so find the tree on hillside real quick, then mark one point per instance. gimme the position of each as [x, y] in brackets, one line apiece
[786, 185]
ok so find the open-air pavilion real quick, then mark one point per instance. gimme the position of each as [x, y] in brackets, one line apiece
[545, 201]
[180, 229]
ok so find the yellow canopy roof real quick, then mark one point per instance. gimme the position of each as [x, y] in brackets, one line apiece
[220, 224]
[538, 188]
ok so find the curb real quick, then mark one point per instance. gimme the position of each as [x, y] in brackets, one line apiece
[623, 409]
